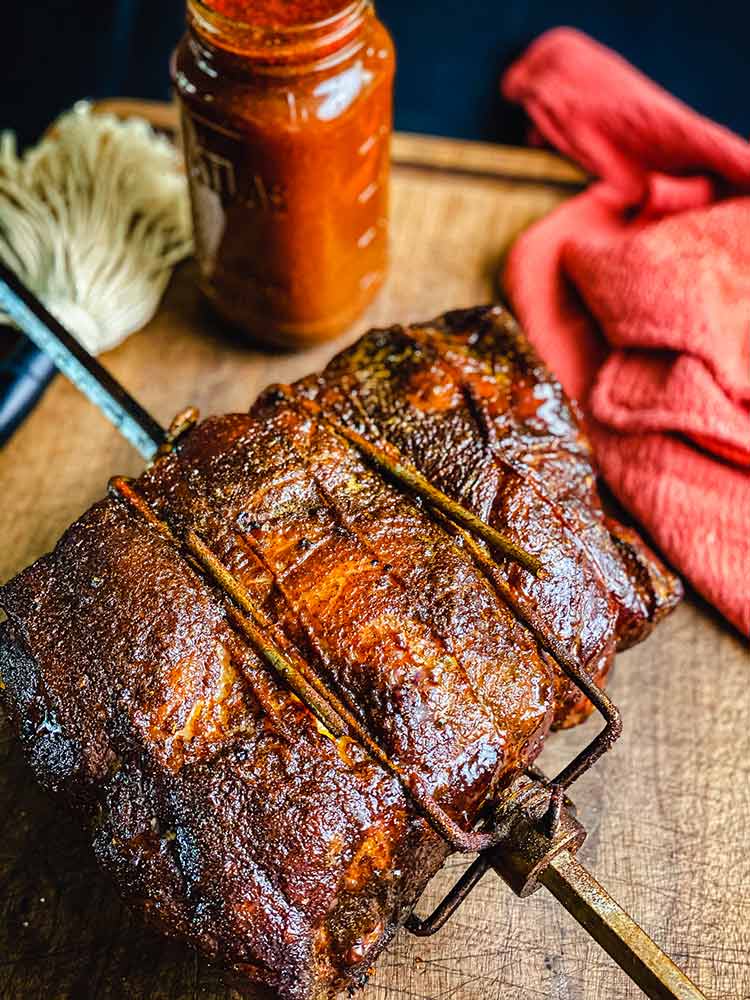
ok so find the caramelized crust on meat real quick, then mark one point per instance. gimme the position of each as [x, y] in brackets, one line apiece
[468, 402]
[216, 799]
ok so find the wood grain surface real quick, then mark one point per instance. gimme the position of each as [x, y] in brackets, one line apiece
[668, 809]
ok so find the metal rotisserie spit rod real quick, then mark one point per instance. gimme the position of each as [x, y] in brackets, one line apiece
[533, 832]
[620, 936]
[83, 370]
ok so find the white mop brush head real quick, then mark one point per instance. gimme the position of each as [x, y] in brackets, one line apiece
[93, 220]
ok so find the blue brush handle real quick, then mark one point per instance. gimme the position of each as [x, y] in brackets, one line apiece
[24, 375]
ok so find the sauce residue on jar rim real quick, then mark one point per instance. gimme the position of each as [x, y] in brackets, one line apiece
[278, 13]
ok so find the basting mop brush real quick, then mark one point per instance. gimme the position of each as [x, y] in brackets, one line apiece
[93, 221]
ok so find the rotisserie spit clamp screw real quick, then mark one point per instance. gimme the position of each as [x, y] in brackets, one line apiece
[537, 847]
[531, 835]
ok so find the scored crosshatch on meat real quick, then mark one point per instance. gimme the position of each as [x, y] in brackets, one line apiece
[216, 799]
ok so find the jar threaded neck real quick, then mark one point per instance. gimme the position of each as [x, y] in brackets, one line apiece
[274, 44]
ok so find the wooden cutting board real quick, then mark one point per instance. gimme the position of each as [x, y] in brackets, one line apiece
[668, 809]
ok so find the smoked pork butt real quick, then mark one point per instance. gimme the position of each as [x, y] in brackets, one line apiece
[219, 803]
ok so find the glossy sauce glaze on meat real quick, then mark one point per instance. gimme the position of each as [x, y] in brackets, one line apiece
[217, 800]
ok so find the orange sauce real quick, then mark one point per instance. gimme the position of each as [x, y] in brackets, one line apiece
[287, 112]
[276, 13]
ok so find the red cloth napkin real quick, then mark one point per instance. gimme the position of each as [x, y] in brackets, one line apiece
[637, 294]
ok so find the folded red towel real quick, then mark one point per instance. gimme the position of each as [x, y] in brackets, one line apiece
[637, 293]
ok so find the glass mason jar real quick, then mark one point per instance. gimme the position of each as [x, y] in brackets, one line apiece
[286, 129]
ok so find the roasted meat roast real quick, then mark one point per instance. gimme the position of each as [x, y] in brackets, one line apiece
[220, 802]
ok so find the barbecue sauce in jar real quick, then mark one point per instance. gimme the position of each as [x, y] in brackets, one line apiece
[286, 112]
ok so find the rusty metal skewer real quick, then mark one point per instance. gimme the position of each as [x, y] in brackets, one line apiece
[529, 855]
[285, 662]
[529, 852]
[84, 371]
[596, 695]
[620, 936]
[406, 475]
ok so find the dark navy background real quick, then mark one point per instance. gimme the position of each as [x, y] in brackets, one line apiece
[450, 55]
